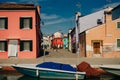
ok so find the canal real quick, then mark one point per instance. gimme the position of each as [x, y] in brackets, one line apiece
[14, 75]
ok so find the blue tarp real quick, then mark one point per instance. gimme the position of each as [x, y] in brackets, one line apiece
[58, 66]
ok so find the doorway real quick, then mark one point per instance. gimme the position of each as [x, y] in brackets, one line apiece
[97, 48]
[12, 48]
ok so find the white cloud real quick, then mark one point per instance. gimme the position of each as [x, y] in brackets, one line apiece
[52, 22]
[45, 16]
[31, 1]
[54, 19]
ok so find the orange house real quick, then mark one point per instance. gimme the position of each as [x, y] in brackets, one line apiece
[19, 30]
[102, 40]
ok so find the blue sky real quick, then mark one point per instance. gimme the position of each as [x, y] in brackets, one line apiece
[59, 15]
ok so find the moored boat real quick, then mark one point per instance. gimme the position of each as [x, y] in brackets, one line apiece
[49, 73]
[113, 69]
[0, 67]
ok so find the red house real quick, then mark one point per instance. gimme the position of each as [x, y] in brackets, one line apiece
[19, 30]
[57, 41]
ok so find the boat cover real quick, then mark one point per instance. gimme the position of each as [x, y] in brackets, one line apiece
[58, 66]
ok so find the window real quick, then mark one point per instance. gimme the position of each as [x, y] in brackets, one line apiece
[99, 21]
[118, 43]
[118, 25]
[3, 23]
[26, 45]
[26, 23]
[3, 46]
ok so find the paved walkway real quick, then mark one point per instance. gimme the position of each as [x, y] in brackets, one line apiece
[62, 56]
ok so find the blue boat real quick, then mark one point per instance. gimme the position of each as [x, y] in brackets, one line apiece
[49, 71]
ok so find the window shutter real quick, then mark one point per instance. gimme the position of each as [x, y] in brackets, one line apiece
[30, 23]
[30, 45]
[21, 23]
[6, 23]
[6, 46]
[21, 46]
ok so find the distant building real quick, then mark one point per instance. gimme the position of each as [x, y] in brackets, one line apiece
[57, 41]
[45, 43]
[69, 41]
[100, 38]
[20, 34]
[73, 40]
[65, 41]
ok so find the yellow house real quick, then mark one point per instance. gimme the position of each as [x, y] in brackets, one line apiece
[102, 40]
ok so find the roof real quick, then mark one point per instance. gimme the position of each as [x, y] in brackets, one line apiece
[4, 6]
[57, 34]
[91, 20]
[116, 7]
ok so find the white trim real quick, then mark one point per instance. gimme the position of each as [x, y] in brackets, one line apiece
[25, 16]
[46, 69]
[3, 17]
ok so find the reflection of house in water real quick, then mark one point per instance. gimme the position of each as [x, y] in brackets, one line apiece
[99, 34]
[57, 41]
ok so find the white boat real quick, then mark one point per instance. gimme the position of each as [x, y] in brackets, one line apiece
[49, 73]
[113, 69]
[0, 67]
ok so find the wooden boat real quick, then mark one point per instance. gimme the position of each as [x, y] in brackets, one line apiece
[113, 69]
[48, 73]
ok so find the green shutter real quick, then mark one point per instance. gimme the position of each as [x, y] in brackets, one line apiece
[30, 22]
[118, 42]
[21, 46]
[30, 45]
[6, 23]
[21, 23]
[118, 24]
[6, 46]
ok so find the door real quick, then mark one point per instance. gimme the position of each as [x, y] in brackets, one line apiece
[12, 48]
[96, 47]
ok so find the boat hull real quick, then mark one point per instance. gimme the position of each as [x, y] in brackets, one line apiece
[50, 74]
[113, 69]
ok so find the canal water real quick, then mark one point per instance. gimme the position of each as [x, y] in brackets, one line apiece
[13, 75]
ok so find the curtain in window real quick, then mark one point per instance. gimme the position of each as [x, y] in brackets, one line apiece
[27, 46]
[26, 23]
[2, 23]
[2, 46]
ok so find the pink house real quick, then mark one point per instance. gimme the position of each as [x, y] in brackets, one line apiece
[19, 30]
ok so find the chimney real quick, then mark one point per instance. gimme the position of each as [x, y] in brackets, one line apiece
[38, 9]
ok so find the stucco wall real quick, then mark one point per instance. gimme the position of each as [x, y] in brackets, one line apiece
[14, 31]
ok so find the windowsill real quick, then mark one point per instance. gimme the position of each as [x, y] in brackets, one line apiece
[26, 51]
[2, 51]
[25, 28]
[2, 29]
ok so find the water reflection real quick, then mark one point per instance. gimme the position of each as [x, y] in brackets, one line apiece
[22, 77]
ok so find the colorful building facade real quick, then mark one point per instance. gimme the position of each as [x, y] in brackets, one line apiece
[65, 41]
[57, 40]
[102, 40]
[20, 34]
